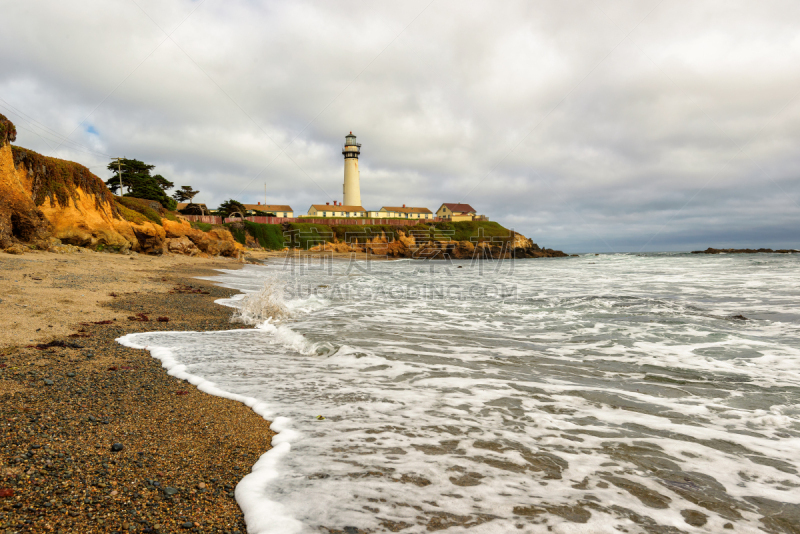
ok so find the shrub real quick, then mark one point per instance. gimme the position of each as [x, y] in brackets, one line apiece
[269, 236]
[205, 227]
[130, 215]
[141, 206]
[59, 180]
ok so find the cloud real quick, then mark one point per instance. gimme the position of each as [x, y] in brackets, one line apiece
[586, 126]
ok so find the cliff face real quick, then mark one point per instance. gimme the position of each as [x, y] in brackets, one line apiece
[406, 246]
[45, 200]
[20, 220]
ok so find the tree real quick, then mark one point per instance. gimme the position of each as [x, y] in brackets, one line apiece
[140, 184]
[185, 194]
[133, 171]
[163, 183]
[230, 206]
[149, 189]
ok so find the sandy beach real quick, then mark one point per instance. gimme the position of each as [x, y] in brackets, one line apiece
[71, 395]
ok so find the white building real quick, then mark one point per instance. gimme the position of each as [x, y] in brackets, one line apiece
[336, 210]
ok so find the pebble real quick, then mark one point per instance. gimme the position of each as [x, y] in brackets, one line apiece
[48, 382]
[187, 524]
[132, 406]
[170, 491]
[202, 485]
[116, 447]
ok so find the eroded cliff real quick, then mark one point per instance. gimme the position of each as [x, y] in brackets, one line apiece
[46, 202]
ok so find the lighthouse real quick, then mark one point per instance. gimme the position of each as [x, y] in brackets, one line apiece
[352, 187]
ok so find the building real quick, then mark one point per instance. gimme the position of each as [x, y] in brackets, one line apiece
[382, 214]
[196, 208]
[280, 210]
[456, 212]
[336, 210]
[403, 212]
[352, 186]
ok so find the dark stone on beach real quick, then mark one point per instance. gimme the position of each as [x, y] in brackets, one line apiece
[187, 524]
[350, 530]
[70, 374]
[48, 382]
[170, 491]
[738, 317]
[694, 518]
[116, 447]
[728, 526]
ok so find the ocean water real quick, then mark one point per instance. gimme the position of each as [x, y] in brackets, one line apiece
[654, 393]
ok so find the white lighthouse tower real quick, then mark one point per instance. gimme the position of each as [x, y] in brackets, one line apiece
[352, 187]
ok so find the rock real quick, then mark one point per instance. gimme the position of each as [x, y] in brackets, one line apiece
[6, 492]
[150, 237]
[170, 491]
[216, 242]
[745, 251]
[181, 245]
[187, 524]
[202, 485]
[116, 447]
[48, 382]
[64, 249]
[70, 374]
[15, 249]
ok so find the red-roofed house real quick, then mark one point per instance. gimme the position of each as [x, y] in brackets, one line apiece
[456, 212]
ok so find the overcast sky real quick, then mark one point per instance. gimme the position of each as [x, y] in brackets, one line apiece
[587, 126]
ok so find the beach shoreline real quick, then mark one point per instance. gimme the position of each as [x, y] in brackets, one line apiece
[70, 392]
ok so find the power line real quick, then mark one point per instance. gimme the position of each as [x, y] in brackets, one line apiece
[49, 132]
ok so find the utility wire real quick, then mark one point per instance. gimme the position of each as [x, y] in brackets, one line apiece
[48, 133]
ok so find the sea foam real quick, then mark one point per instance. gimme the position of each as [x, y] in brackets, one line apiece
[614, 393]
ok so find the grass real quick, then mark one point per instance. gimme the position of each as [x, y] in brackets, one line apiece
[239, 234]
[306, 235]
[130, 215]
[269, 236]
[310, 234]
[350, 233]
[465, 231]
[204, 227]
[140, 206]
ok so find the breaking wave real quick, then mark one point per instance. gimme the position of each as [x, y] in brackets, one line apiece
[267, 304]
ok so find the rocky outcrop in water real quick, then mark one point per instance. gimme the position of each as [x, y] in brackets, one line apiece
[407, 246]
[744, 251]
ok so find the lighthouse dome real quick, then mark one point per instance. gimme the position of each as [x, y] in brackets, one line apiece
[350, 140]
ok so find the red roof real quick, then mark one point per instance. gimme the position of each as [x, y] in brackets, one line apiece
[460, 208]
